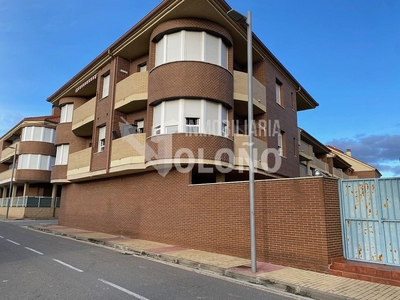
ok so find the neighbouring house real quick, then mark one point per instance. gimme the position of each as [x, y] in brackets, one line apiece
[359, 168]
[27, 156]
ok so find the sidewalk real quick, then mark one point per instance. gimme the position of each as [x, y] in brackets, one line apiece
[296, 281]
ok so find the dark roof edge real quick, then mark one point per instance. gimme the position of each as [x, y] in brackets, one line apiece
[105, 53]
[311, 138]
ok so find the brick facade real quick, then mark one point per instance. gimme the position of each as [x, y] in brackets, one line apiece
[298, 221]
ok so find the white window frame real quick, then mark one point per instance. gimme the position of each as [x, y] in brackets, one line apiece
[62, 155]
[66, 113]
[278, 91]
[206, 124]
[140, 126]
[106, 86]
[143, 67]
[35, 162]
[181, 54]
[192, 128]
[281, 149]
[102, 139]
[38, 134]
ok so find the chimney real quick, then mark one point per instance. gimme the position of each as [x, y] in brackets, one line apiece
[348, 152]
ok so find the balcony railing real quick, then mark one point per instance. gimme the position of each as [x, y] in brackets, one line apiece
[240, 92]
[322, 166]
[131, 93]
[241, 151]
[339, 173]
[26, 201]
[9, 152]
[79, 162]
[128, 150]
[306, 150]
[303, 171]
[82, 122]
[5, 176]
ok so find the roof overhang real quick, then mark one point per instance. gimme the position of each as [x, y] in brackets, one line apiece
[135, 43]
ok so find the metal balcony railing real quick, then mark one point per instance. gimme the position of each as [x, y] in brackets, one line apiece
[27, 201]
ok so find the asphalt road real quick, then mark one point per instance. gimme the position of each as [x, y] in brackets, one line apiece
[34, 265]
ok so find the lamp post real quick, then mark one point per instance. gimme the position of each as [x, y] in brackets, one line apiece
[238, 17]
[11, 180]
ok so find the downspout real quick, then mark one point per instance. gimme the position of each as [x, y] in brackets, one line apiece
[112, 102]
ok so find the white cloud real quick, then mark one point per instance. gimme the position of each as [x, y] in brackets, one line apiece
[380, 151]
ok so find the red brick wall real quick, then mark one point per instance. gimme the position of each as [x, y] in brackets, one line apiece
[35, 147]
[366, 174]
[298, 221]
[185, 79]
[287, 119]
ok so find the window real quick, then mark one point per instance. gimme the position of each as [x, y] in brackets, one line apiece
[281, 143]
[279, 98]
[190, 45]
[224, 129]
[102, 139]
[193, 125]
[106, 85]
[62, 155]
[142, 67]
[157, 129]
[38, 134]
[66, 113]
[191, 116]
[140, 126]
[35, 162]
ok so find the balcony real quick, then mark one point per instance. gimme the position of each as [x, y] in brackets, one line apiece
[8, 153]
[240, 94]
[128, 152]
[241, 151]
[131, 93]
[79, 163]
[305, 152]
[320, 165]
[303, 171]
[339, 173]
[82, 122]
[5, 176]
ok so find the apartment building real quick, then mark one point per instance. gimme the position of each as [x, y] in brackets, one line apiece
[27, 156]
[318, 159]
[152, 138]
[177, 78]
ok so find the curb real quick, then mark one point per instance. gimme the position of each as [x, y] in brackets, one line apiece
[269, 283]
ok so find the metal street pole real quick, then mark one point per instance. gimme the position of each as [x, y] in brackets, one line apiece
[240, 18]
[11, 180]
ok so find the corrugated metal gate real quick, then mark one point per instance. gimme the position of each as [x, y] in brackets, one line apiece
[370, 210]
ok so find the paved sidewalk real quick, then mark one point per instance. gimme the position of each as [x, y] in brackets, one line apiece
[296, 281]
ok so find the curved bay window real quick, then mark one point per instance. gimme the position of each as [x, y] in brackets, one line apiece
[191, 46]
[190, 116]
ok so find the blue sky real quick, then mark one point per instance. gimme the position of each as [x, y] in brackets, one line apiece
[346, 54]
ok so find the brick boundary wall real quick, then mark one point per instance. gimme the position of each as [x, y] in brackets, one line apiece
[298, 220]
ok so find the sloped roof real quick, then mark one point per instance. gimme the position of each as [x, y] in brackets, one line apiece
[136, 42]
[52, 119]
[17, 127]
[354, 162]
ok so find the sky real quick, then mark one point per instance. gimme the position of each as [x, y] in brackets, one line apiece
[346, 54]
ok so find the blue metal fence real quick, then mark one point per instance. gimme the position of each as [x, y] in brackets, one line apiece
[370, 210]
